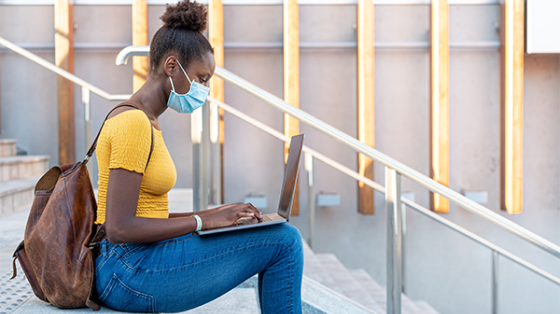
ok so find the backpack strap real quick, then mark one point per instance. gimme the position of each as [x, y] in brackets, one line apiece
[101, 233]
[94, 144]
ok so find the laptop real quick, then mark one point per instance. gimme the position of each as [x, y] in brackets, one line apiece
[286, 195]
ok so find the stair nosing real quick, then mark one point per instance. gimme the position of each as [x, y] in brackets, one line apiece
[20, 185]
[19, 159]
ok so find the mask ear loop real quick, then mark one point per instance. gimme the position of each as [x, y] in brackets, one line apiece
[172, 86]
[185, 72]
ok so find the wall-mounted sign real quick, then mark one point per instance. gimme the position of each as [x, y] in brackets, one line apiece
[543, 26]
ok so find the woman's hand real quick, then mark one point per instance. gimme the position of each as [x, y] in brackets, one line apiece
[227, 215]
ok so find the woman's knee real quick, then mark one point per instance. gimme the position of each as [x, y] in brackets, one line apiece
[291, 238]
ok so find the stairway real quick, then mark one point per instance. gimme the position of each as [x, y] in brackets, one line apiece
[18, 176]
[356, 284]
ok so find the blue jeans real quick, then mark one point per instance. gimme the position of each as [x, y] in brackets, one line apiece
[183, 273]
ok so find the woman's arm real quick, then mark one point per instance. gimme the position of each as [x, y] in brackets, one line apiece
[179, 215]
[122, 225]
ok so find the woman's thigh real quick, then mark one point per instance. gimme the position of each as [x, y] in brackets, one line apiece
[186, 272]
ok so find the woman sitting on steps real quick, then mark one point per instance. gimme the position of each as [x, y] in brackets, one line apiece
[151, 261]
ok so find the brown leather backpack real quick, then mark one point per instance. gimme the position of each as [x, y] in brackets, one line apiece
[56, 253]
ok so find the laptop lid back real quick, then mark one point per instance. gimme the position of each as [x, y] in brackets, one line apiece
[290, 177]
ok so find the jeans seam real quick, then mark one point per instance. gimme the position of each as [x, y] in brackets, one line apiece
[198, 262]
[291, 289]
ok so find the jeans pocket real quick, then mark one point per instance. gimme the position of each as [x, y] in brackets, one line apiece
[118, 296]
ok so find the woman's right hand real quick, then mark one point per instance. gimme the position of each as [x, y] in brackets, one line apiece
[227, 215]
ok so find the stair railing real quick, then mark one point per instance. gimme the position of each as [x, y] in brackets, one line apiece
[311, 154]
[394, 200]
[87, 88]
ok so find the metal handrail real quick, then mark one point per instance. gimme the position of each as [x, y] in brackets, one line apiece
[87, 87]
[378, 187]
[33, 57]
[390, 162]
[370, 152]
[279, 135]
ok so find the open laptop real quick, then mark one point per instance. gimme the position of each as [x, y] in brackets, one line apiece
[286, 195]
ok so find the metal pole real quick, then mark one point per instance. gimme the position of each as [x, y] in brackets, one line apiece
[86, 99]
[205, 149]
[199, 130]
[310, 196]
[394, 234]
[403, 246]
[495, 269]
[216, 177]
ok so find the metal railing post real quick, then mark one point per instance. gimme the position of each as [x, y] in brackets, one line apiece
[216, 177]
[86, 99]
[310, 196]
[495, 274]
[394, 238]
[403, 247]
[199, 134]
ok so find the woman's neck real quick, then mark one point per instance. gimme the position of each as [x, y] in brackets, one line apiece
[151, 98]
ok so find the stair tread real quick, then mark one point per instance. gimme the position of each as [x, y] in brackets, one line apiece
[313, 269]
[24, 158]
[346, 283]
[17, 185]
[379, 293]
[8, 147]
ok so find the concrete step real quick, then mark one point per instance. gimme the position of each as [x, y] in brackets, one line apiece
[318, 299]
[16, 194]
[346, 283]
[16, 297]
[7, 148]
[313, 269]
[20, 167]
[379, 293]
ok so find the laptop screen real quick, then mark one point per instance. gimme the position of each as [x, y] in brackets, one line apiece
[290, 177]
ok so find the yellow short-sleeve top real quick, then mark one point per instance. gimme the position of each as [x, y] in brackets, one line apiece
[125, 143]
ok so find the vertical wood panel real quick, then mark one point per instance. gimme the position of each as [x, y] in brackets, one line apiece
[439, 112]
[511, 179]
[139, 38]
[291, 75]
[216, 34]
[64, 58]
[366, 101]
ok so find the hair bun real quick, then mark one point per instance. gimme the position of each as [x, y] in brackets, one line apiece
[186, 15]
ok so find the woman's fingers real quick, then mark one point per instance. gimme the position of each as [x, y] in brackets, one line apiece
[256, 212]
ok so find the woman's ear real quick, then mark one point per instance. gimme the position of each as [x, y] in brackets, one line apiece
[170, 66]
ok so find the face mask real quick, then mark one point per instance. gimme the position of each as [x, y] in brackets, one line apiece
[189, 102]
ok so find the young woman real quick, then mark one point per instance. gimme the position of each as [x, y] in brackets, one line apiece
[151, 261]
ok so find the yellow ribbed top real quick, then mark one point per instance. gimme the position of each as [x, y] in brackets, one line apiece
[125, 143]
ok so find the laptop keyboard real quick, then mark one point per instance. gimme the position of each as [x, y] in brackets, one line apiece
[251, 221]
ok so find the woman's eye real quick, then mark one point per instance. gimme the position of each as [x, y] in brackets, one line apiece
[202, 81]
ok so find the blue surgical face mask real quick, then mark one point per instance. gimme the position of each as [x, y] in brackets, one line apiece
[189, 102]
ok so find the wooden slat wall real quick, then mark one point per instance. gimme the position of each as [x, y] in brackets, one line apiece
[511, 179]
[139, 38]
[64, 58]
[291, 75]
[216, 34]
[439, 113]
[366, 102]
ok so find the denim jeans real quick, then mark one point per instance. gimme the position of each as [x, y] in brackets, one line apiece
[183, 273]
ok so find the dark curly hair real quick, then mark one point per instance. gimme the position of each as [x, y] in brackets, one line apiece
[183, 25]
